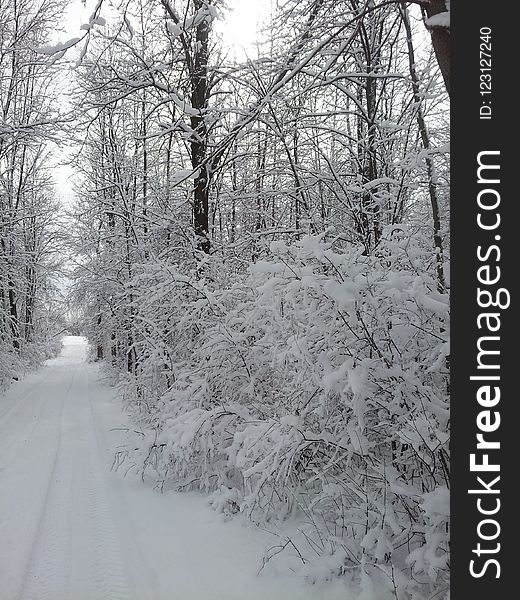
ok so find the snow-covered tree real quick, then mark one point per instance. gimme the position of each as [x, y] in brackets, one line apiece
[29, 236]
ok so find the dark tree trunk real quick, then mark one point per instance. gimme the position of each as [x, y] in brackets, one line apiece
[441, 40]
[99, 347]
[29, 304]
[13, 313]
[199, 101]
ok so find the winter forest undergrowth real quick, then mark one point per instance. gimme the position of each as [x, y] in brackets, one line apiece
[257, 248]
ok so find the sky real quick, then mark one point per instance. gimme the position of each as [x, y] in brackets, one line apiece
[238, 30]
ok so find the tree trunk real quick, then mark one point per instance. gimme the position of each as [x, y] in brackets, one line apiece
[198, 144]
[441, 40]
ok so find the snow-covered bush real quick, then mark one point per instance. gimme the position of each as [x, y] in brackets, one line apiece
[14, 365]
[315, 385]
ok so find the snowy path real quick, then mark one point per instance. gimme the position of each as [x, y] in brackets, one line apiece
[70, 529]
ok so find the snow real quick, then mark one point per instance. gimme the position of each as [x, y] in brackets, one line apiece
[72, 528]
[59, 47]
[174, 28]
[439, 20]
[183, 174]
[101, 21]
[182, 105]
[93, 21]
[437, 503]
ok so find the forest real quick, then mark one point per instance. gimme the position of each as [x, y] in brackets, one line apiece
[257, 249]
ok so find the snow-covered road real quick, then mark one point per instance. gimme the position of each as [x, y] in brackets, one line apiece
[71, 529]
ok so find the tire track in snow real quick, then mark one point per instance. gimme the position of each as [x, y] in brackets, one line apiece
[75, 549]
[76, 553]
[143, 578]
[110, 576]
[43, 579]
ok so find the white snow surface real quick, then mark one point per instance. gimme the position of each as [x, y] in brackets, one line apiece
[72, 529]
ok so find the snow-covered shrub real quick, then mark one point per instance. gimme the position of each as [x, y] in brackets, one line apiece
[10, 366]
[315, 385]
[30, 355]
